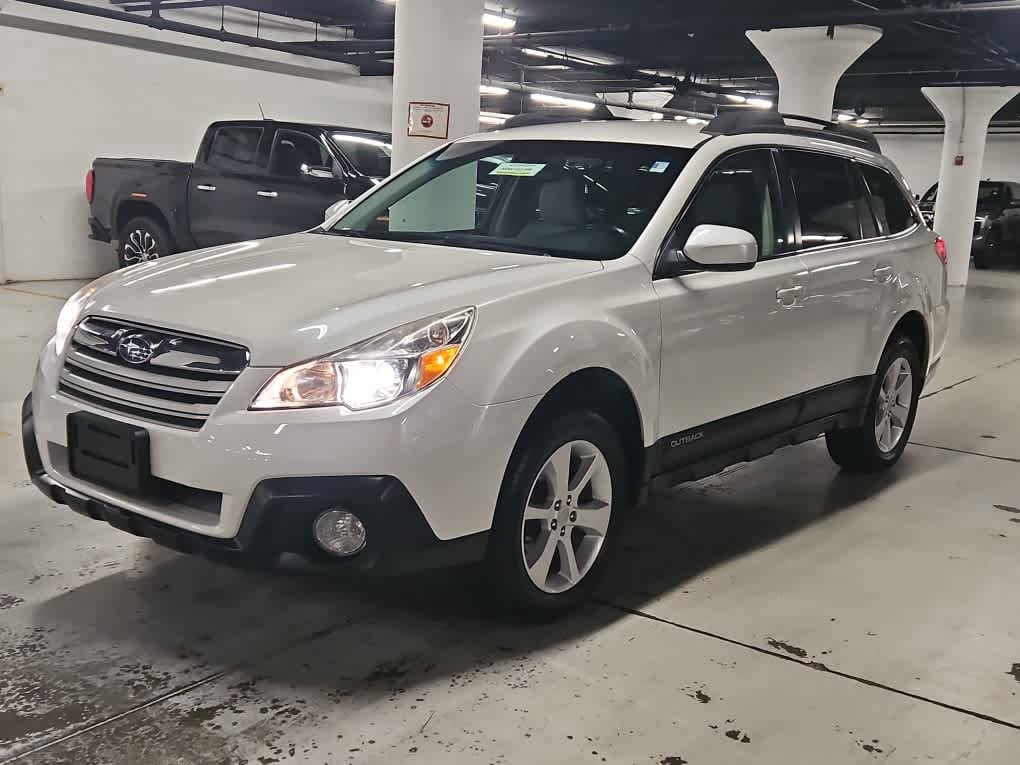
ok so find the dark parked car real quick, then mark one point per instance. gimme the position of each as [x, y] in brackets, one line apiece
[250, 180]
[996, 221]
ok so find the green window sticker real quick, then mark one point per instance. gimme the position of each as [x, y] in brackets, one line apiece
[518, 169]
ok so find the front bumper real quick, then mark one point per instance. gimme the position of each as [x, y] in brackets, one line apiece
[279, 517]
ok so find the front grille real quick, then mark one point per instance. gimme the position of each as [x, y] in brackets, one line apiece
[151, 374]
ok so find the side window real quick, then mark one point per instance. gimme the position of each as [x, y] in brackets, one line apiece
[892, 210]
[741, 192]
[293, 153]
[827, 200]
[235, 149]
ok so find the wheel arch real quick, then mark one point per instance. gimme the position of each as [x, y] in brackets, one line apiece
[913, 326]
[132, 208]
[606, 393]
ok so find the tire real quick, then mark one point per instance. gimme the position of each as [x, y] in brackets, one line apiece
[143, 239]
[516, 541]
[862, 449]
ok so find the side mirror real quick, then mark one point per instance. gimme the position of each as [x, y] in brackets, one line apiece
[721, 248]
[335, 209]
[315, 171]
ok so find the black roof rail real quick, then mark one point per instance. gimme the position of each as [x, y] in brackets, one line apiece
[740, 121]
[553, 118]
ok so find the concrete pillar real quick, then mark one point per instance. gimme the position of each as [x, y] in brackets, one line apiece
[966, 112]
[809, 62]
[438, 59]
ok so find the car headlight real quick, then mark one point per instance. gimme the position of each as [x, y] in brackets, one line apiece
[72, 310]
[376, 372]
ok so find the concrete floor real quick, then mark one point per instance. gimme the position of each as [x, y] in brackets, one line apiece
[778, 613]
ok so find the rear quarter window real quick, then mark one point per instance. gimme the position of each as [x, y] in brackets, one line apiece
[893, 212]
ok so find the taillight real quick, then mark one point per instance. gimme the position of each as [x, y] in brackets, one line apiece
[90, 185]
[940, 249]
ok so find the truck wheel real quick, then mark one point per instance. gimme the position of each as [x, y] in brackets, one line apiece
[556, 515]
[142, 239]
[878, 444]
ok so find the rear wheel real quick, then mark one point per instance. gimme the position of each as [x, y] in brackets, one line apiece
[141, 240]
[879, 442]
[556, 514]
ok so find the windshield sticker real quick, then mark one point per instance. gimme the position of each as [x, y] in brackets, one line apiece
[518, 169]
[659, 167]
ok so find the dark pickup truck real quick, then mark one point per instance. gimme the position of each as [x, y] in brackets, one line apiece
[250, 180]
[996, 222]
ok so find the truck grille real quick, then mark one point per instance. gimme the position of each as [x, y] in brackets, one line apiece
[150, 374]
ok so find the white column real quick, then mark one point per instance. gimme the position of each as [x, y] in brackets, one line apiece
[967, 112]
[438, 59]
[809, 63]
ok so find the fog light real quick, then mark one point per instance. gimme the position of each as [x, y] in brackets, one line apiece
[339, 533]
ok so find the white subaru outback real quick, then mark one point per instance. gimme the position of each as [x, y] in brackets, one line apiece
[491, 355]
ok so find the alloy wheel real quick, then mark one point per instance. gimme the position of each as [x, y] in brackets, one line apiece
[895, 398]
[140, 247]
[567, 517]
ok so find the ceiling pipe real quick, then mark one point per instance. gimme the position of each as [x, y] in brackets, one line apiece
[190, 29]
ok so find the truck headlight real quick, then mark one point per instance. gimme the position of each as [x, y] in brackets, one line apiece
[376, 372]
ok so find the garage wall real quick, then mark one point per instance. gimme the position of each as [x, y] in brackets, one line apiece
[919, 156]
[76, 87]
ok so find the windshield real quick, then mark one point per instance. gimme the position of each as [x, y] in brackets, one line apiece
[569, 198]
[369, 154]
[988, 191]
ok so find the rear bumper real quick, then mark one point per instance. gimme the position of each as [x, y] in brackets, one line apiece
[99, 232]
[279, 518]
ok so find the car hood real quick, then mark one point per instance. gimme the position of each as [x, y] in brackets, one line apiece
[306, 295]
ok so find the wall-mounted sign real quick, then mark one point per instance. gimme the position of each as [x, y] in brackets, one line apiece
[428, 119]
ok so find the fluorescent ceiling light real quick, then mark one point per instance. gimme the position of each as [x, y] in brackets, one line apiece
[535, 52]
[656, 116]
[493, 90]
[737, 98]
[486, 120]
[844, 117]
[761, 103]
[653, 72]
[572, 103]
[862, 121]
[695, 121]
[496, 115]
[499, 21]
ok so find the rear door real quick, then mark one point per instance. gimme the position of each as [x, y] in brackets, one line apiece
[1011, 216]
[222, 197]
[731, 342]
[303, 180]
[848, 263]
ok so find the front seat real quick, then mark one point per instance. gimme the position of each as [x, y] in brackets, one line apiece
[562, 222]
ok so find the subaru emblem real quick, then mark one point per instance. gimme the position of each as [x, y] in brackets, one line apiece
[135, 349]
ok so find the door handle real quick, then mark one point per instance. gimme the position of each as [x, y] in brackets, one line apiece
[787, 292]
[882, 272]
[267, 194]
[205, 187]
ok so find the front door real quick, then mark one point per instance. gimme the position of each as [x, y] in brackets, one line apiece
[222, 198]
[731, 342]
[303, 181]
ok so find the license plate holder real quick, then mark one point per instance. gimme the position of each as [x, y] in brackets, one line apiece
[108, 453]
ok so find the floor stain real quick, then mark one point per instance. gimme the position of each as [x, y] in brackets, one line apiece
[674, 759]
[989, 436]
[1015, 672]
[1007, 509]
[9, 601]
[871, 747]
[737, 735]
[793, 650]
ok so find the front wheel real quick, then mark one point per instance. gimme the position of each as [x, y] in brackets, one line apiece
[879, 442]
[559, 505]
[141, 240]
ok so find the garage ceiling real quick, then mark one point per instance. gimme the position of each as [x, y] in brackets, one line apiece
[686, 42]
